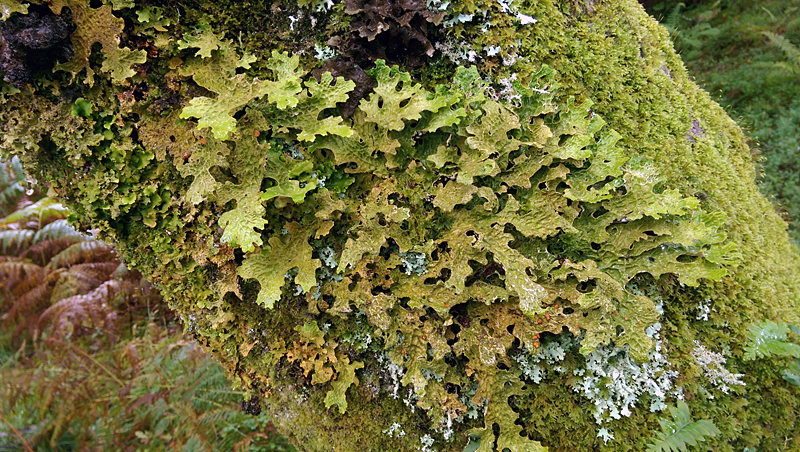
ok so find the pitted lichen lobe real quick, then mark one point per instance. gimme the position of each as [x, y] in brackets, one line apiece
[386, 238]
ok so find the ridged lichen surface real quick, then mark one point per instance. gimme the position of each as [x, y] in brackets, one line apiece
[414, 225]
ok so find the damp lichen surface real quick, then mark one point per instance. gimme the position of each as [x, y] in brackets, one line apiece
[512, 223]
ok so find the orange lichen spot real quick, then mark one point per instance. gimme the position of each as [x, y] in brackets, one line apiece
[639, 322]
[203, 141]
[557, 306]
[256, 133]
[547, 316]
[536, 344]
[447, 305]
[424, 336]
[539, 321]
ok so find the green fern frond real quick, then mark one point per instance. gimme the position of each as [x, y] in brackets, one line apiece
[10, 195]
[11, 172]
[769, 339]
[55, 230]
[673, 20]
[35, 216]
[11, 190]
[792, 52]
[12, 243]
[792, 373]
[780, 67]
[681, 432]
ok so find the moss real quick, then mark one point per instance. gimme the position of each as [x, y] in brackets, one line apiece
[573, 182]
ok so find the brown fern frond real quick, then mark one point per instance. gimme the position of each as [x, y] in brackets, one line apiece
[82, 278]
[82, 314]
[27, 299]
[18, 277]
[23, 311]
[44, 251]
[14, 242]
[83, 252]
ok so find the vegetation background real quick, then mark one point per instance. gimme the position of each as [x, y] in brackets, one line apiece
[91, 358]
[747, 55]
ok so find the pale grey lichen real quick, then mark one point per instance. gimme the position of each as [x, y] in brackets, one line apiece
[552, 351]
[414, 263]
[394, 372]
[437, 5]
[324, 52]
[328, 257]
[473, 409]
[395, 430]
[605, 434]
[493, 50]
[427, 443]
[615, 382]
[525, 19]
[703, 310]
[459, 52]
[714, 370]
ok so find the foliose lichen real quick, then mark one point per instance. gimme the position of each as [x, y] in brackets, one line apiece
[429, 246]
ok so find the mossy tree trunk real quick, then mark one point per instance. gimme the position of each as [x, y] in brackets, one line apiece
[416, 225]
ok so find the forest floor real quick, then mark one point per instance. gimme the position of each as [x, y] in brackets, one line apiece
[747, 55]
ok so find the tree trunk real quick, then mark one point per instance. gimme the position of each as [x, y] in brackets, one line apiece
[414, 226]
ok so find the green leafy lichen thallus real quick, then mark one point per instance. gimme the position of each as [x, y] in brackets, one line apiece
[485, 254]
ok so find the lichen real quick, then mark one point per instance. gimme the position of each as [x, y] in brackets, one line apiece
[378, 247]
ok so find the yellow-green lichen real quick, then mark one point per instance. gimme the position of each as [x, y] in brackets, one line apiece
[403, 264]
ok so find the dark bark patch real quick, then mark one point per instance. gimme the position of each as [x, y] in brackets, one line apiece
[252, 406]
[350, 71]
[33, 42]
[695, 132]
[392, 30]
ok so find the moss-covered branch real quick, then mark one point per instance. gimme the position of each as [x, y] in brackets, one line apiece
[504, 222]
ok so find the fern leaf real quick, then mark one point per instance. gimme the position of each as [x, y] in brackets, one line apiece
[83, 252]
[43, 252]
[10, 195]
[792, 52]
[792, 373]
[674, 18]
[57, 229]
[681, 432]
[90, 311]
[12, 243]
[82, 279]
[19, 277]
[11, 189]
[769, 339]
[35, 216]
